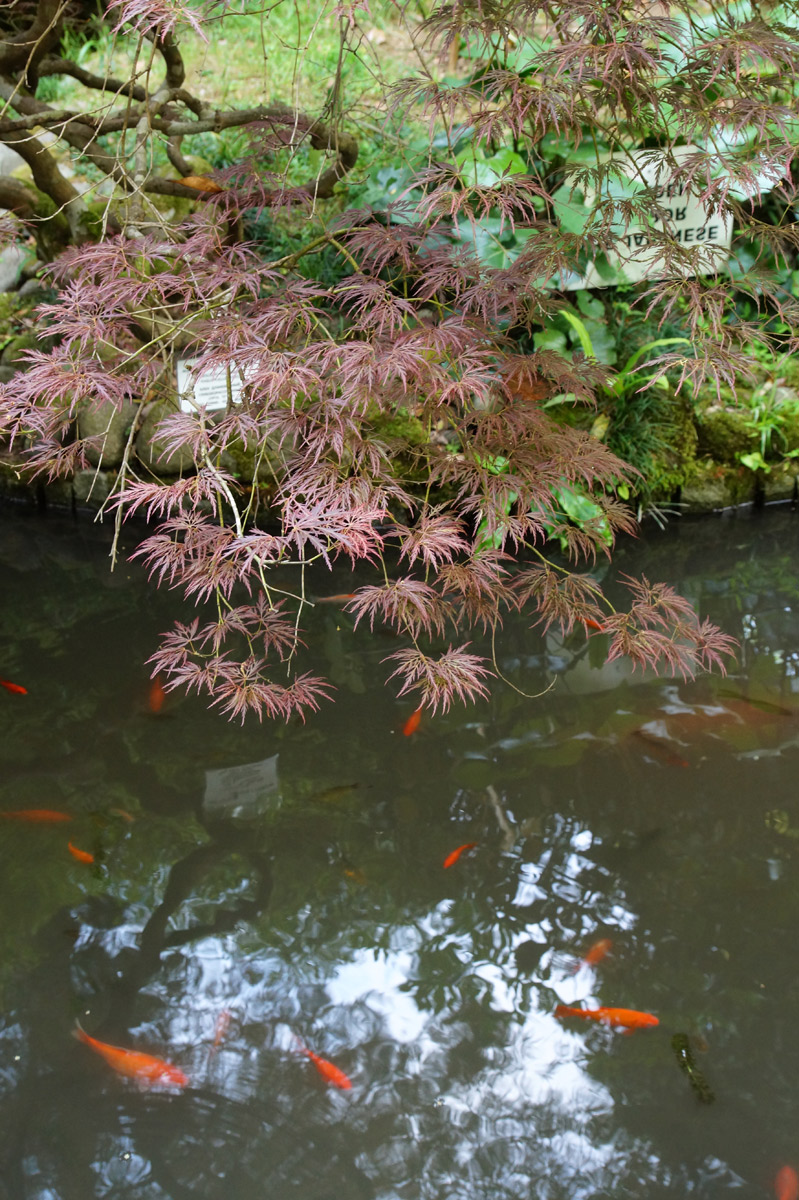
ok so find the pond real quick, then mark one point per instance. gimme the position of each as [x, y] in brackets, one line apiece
[261, 895]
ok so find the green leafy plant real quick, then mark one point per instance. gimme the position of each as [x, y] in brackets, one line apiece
[569, 503]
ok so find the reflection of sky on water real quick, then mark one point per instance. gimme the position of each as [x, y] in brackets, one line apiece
[434, 991]
[531, 1083]
[377, 982]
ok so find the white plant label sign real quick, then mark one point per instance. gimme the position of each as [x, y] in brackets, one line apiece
[244, 791]
[690, 224]
[208, 389]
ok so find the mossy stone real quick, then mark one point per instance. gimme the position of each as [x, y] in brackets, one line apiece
[723, 434]
[671, 468]
[780, 482]
[91, 488]
[711, 486]
[12, 355]
[254, 465]
[151, 448]
[111, 426]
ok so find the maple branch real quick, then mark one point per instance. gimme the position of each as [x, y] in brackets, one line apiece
[22, 51]
[53, 64]
[15, 196]
[173, 60]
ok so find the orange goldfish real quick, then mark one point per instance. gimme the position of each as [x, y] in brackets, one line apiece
[786, 1184]
[328, 1070]
[14, 687]
[157, 695]
[452, 858]
[339, 598]
[412, 724]
[629, 1018]
[595, 954]
[144, 1068]
[590, 623]
[81, 855]
[37, 815]
[220, 1029]
[123, 813]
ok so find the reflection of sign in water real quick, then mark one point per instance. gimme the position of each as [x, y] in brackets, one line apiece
[689, 222]
[244, 791]
[211, 388]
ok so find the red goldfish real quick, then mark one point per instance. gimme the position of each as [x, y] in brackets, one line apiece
[786, 1184]
[412, 724]
[144, 1068]
[81, 855]
[629, 1018]
[123, 813]
[328, 1070]
[157, 695]
[14, 687]
[38, 815]
[590, 623]
[595, 954]
[339, 598]
[221, 1028]
[452, 858]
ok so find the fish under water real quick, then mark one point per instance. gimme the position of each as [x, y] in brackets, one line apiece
[786, 1184]
[628, 1018]
[412, 724]
[452, 858]
[659, 748]
[80, 855]
[157, 695]
[145, 1069]
[328, 1070]
[220, 1030]
[332, 795]
[681, 1046]
[13, 687]
[594, 955]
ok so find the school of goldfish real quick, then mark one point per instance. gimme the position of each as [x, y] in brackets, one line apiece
[148, 1070]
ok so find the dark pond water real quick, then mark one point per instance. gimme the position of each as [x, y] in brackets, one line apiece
[292, 878]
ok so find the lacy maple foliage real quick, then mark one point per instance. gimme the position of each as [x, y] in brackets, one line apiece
[458, 504]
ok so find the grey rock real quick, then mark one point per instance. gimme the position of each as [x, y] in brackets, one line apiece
[710, 495]
[151, 449]
[91, 488]
[7, 374]
[12, 260]
[12, 354]
[31, 286]
[111, 426]
[241, 464]
[57, 493]
[9, 160]
[779, 484]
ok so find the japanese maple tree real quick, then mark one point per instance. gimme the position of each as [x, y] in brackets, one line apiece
[399, 415]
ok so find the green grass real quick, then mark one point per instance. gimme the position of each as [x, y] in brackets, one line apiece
[288, 54]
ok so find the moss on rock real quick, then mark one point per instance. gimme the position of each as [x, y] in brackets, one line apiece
[711, 485]
[724, 434]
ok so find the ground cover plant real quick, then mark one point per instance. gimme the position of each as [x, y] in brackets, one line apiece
[397, 409]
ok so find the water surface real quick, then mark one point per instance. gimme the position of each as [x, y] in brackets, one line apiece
[292, 877]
